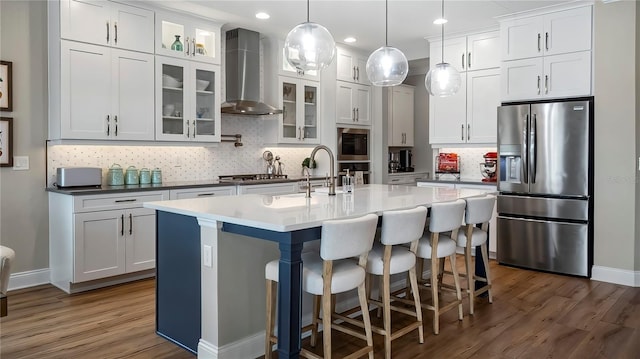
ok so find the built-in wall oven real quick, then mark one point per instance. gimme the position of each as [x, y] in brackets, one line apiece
[353, 144]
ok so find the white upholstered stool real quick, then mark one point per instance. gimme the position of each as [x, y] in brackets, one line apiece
[330, 272]
[478, 212]
[390, 257]
[7, 255]
[436, 246]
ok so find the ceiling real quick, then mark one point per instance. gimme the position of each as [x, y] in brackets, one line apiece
[410, 21]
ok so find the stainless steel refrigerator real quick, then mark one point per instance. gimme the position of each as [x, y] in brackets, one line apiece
[545, 180]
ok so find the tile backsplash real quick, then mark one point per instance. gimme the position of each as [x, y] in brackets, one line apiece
[470, 159]
[183, 163]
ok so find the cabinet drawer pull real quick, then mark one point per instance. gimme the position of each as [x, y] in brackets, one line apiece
[122, 225]
[206, 194]
[115, 28]
[130, 224]
[107, 32]
[125, 200]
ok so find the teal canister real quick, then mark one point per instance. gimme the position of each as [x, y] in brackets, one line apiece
[156, 176]
[115, 176]
[145, 176]
[131, 176]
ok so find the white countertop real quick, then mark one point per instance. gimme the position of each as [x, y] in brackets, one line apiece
[285, 213]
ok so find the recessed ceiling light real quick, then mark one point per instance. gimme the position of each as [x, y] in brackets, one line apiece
[262, 15]
[350, 39]
[440, 21]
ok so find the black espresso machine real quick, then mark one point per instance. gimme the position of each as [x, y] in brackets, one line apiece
[406, 165]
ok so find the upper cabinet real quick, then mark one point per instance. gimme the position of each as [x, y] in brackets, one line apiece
[107, 23]
[187, 100]
[353, 103]
[469, 116]
[547, 55]
[187, 38]
[274, 58]
[400, 116]
[351, 66]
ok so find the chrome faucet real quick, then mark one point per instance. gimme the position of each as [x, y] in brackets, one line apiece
[332, 180]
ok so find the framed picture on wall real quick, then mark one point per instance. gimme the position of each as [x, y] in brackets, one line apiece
[6, 142]
[6, 86]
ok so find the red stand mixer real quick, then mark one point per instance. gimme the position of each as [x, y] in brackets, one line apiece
[489, 166]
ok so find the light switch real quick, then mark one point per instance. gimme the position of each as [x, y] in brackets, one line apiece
[206, 256]
[20, 163]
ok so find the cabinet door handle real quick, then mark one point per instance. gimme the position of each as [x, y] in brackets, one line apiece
[546, 41]
[538, 84]
[107, 125]
[463, 61]
[194, 128]
[115, 120]
[468, 132]
[115, 28]
[206, 194]
[122, 225]
[299, 133]
[357, 114]
[188, 130]
[354, 74]
[130, 224]
[469, 61]
[107, 32]
[125, 200]
[358, 74]
[546, 83]
[353, 114]
[186, 43]
[193, 46]
[462, 132]
[538, 42]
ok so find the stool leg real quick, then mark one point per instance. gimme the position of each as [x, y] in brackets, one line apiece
[416, 300]
[456, 280]
[270, 319]
[316, 314]
[434, 295]
[470, 278]
[363, 297]
[327, 273]
[485, 257]
[386, 312]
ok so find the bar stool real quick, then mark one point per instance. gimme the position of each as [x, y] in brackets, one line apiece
[436, 245]
[391, 257]
[330, 272]
[478, 212]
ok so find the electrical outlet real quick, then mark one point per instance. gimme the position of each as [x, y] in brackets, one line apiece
[20, 163]
[206, 256]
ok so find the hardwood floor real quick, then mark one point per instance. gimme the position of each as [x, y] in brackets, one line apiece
[534, 315]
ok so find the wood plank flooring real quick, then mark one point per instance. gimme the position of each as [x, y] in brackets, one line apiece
[534, 315]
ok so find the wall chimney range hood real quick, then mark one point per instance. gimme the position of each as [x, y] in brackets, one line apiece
[242, 62]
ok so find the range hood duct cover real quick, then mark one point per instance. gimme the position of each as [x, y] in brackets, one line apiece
[242, 61]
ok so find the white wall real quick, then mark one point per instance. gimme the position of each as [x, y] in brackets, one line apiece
[616, 213]
[23, 209]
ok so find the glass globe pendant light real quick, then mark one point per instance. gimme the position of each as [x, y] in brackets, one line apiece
[443, 79]
[309, 46]
[387, 66]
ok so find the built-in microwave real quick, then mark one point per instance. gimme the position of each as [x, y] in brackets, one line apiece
[353, 144]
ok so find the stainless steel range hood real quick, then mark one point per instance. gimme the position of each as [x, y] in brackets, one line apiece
[242, 61]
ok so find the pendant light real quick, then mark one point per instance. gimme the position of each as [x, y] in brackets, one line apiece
[443, 79]
[387, 66]
[309, 46]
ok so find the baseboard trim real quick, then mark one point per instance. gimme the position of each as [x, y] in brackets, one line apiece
[616, 275]
[249, 347]
[30, 278]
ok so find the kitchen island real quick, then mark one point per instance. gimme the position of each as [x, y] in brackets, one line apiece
[238, 236]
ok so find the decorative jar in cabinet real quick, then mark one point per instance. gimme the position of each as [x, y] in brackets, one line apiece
[199, 39]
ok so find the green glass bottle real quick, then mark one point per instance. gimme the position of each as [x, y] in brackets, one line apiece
[177, 45]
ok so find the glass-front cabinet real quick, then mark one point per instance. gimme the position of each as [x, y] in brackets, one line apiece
[187, 101]
[187, 38]
[300, 111]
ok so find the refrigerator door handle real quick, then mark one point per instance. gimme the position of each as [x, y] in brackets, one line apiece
[524, 167]
[532, 147]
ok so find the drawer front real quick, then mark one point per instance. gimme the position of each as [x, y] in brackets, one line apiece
[116, 201]
[203, 192]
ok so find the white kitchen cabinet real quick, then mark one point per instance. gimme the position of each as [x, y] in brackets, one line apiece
[187, 100]
[199, 39]
[105, 93]
[273, 49]
[353, 103]
[547, 34]
[400, 116]
[405, 178]
[269, 188]
[201, 192]
[95, 237]
[351, 66]
[468, 53]
[107, 23]
[545, 77]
